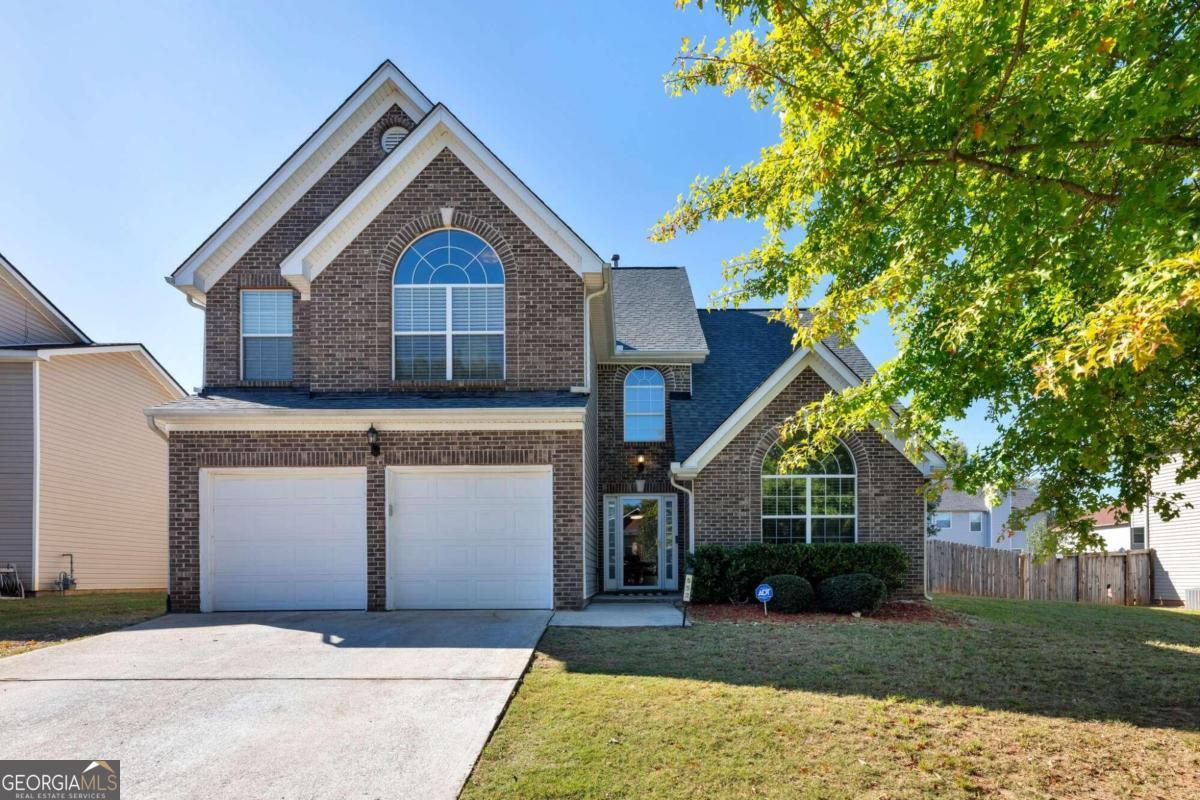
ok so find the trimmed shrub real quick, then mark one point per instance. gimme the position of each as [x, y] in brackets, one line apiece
[845, 594]
[793, 594]
[725, 574]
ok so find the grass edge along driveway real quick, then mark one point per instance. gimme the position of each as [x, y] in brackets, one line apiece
[51, 618]
[1021, 700]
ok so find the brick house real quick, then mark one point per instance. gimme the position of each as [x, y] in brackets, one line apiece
[423, 390]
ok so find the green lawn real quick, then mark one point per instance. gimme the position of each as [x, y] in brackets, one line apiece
[51, 618]
[1022, 700]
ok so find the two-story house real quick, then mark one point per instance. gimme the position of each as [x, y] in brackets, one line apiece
[972, 519]
[422, 389]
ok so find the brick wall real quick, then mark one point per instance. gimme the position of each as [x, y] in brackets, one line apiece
[342, 335]
[618, 458]
[190, 452]
[890, 505]
[259, 266]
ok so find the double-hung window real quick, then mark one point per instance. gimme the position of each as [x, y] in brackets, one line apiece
[941, 520]
[267, 334]
[815, 503]
[645, 402]
[448, 309]
[975, 518]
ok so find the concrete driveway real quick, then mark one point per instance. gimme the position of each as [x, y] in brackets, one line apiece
[279, 705]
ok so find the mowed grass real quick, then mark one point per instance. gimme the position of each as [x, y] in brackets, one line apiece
[51, 618]
[1022, 700]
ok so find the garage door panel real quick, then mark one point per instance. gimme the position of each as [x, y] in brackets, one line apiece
[287, 540]
[471, 540]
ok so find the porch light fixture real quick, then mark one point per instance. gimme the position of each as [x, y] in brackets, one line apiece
[373, 440]
[641, 468]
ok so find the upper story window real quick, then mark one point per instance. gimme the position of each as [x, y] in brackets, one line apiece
[645, 406]
[448, 309]
[975, 518]
[815, 503]
[266, 334]
[942, 520]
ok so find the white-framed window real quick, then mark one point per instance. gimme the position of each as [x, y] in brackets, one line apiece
[1137, 538]
[266, 322]
[941, 520]
[816, 503]
[645, 405]
[975, 518]
[448, 309]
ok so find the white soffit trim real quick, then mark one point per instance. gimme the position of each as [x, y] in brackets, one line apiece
[828, 367]
[438, 131]
[471, 419]
[11, 275]
[387, 86]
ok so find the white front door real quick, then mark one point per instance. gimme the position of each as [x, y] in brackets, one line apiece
[639, 542]
[275, 539]
[470, 537]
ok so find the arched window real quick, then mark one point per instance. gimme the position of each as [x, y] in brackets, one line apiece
[448, 309]
[645, 406]
[816, 503]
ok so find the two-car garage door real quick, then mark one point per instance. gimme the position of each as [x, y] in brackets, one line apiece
[297, 538]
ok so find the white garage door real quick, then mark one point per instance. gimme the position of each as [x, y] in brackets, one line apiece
[478, 538]
[285, 539]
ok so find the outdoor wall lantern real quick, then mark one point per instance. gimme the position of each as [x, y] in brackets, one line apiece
[373, 440]
[641, 468]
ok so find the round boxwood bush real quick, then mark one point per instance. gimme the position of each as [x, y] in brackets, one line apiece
[845, 594]
[793, 594]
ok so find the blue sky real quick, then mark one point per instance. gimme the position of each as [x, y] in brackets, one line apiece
[131, 130]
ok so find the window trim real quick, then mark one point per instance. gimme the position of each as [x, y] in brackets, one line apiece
[972, 517]
[449, 333]
[1133, 528]
[626, 413]
[243, 336]
[808, 477]
[949, 520]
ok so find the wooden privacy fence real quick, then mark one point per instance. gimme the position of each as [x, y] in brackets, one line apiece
[1113, 578]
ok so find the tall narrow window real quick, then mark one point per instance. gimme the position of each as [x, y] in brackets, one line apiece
[267, 334]
[815, 503]
[448, 309]
[645, 406]
[976, 521]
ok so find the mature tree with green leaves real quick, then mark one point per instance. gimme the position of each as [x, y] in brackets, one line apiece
[1015, 183]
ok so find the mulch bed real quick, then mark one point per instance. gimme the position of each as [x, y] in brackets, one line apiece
[896, 611]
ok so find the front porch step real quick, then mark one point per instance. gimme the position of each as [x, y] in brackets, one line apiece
[637, 597]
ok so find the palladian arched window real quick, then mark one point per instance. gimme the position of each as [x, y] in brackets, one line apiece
[448, 309]
[645, 401]
[815, 503]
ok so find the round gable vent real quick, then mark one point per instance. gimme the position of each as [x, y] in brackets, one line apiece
[392, 137]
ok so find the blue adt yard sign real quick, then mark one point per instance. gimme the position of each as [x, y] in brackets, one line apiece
[763, 594]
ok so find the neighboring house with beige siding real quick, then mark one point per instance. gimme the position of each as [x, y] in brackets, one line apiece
[80, 471]
[1176, 542]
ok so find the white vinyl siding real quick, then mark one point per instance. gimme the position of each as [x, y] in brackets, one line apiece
[1176, 543]
[103, 473]
[266, 334]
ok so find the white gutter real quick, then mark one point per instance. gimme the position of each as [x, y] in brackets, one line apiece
[169, 419]
[587, 332]
[691, 510]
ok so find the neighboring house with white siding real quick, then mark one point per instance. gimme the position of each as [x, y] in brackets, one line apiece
[1114, 525]
[1176, 542]
[80, 470]
[969, 519]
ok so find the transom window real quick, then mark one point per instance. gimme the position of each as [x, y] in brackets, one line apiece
[816, 503]
[266, 334]
[448, 309]
[645, 406]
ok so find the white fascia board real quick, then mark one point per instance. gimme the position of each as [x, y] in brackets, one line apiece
[470, 419]
[387, 86]
[656, 357]
[147, 361]
[438, 131]
[828, 367]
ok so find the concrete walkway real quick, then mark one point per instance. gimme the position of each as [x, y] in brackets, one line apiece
[284, 705]
[620, 615]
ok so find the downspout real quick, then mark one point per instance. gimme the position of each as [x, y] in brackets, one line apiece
[691, 511]
[154, 427]
[587, 334]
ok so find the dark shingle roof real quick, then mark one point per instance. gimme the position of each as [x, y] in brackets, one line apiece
[653, 310]
[246, 400]
[745, 348]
